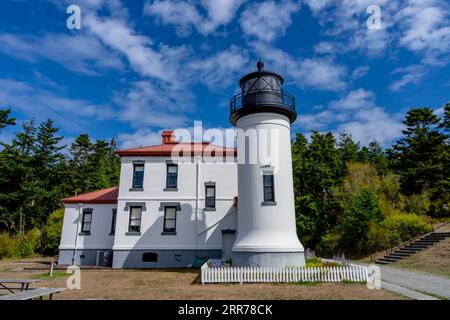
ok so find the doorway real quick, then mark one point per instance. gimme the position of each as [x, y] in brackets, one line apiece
[228, 238]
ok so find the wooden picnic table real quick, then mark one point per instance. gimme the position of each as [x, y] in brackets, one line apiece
[33, 294]
[24, 284]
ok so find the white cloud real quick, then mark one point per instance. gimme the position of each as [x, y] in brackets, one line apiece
[357, 99]
[41, 103]
[421, 26]
[144, 59]
[358, 114]
[425, 28]
[186, 15]
[315, 73]
[374, 123]
[78, 53]
[410, 75]
[268, 20]
[219, 70]
[140, 138]
[360, 72]
[147, 103]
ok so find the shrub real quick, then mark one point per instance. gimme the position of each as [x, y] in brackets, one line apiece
[51, 234]
[402, 227]
[418, 203]
[27, 244]
[7, 246]
[328, 245]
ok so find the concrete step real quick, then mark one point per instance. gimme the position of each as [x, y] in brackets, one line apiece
[387, 259]
[442, 234]
[412, 250]
[420, 246]
[394, 256]
[381, 262]
[425, 242]
[401, 253]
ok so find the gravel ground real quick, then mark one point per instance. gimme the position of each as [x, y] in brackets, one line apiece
[419, 281]
[182, 285]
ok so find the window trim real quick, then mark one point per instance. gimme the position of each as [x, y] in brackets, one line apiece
[130, 232]
[171, 188]
[169, 231]
[209, 208]
[113, 222]
[134, 187]
[272, 190]
[83, 232]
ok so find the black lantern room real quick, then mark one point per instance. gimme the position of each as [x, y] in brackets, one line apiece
[262, 91]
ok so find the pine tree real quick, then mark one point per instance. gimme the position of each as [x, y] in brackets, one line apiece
[5, 120]
[420, 157]
[377, 157]
[348, 149]
[317, 171]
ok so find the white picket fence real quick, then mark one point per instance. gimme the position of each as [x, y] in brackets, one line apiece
[352, 273]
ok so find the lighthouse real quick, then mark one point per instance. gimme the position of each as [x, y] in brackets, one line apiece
[262, 114]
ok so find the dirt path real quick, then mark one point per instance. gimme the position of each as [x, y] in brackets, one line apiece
[422, 282]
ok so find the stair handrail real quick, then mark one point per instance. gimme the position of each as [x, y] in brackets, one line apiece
[412, 239]
[446, 223]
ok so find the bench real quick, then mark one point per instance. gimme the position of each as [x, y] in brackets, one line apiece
[24, 284]
[33, 294]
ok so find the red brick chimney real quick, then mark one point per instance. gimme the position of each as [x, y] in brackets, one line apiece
[168, 136]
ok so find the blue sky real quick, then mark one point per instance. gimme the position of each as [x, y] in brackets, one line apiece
[137, 67]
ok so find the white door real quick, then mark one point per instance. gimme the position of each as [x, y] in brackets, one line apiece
[228, 238]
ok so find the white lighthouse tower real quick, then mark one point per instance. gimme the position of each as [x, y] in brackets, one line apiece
[262, 114]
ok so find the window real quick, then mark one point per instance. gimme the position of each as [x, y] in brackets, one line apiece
[269, 195]
[149, 257]
[170, 219]
[86, 221]
[138, 176]
[113, 221]
[210, 197]
[135, 219]
[172, 176]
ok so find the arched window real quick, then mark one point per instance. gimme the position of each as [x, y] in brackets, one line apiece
[149, 257]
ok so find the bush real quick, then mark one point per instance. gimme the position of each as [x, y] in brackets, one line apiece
[51, 234]
[27, 244]
[328, 245]
[418, 203]
[7, 246]
[402, 227]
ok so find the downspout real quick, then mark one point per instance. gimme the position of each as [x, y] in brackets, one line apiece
[80, 210]
[197, 180]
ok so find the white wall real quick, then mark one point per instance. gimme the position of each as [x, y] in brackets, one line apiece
[195, 228]
[267, 228]
[100, 227]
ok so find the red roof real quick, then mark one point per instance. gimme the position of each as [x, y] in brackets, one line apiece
[180, 149]
[104, 196]
[169, 145]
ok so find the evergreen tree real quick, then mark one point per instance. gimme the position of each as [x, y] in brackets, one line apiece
[420, 157]
[377, 157]
[17, 186]
[317, 171]
[348, 149]
[362, 211]
[5, 120]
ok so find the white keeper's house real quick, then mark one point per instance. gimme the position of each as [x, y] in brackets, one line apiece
[166, 211]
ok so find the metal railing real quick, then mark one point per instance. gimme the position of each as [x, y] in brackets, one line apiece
[414, 238]
[271, 98]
